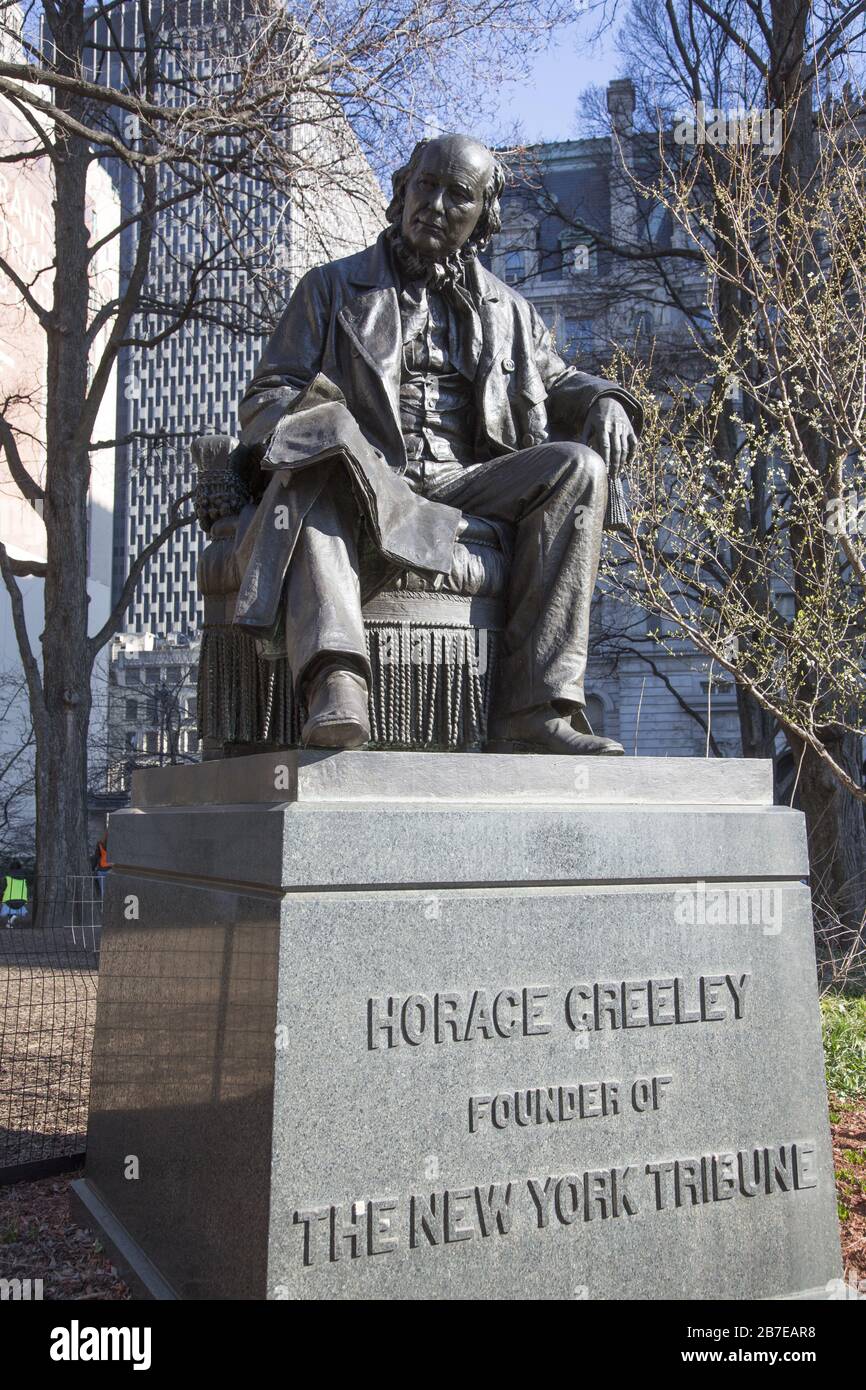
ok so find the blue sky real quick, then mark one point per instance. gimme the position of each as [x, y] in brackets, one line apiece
[545, 106]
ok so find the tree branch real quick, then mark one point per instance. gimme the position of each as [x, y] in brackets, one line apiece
[26, 485]
[19, 622]
[112, 623]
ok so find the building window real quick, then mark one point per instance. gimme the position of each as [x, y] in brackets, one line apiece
[656, 222]
[595, 713]
[151, 675]
[151, 741]
[699, 315]
[132, 709]
[579, 334]
[515, 267]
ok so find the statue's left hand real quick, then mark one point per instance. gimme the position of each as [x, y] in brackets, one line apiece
[609, 431]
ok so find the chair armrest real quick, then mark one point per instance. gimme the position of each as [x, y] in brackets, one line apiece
[220, 489]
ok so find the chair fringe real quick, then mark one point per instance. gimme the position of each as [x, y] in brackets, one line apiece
[241, 697]
[431, 685]
[431, 688]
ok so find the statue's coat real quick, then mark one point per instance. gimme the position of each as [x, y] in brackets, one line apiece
[339, 340]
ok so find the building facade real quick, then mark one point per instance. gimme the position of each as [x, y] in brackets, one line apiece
[568, 206]
[247, 250]
[151, 705]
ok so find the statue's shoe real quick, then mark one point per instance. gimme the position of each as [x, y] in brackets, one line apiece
[337, 712]
[542, 730]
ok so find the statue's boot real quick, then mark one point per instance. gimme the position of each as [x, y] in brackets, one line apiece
[542, 730]
[337, 711]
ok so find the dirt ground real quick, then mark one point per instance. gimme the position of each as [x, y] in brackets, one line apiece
[39, 1240]
[48, 994]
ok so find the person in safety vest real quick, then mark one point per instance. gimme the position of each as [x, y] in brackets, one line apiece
[101, 864]
[14, 905]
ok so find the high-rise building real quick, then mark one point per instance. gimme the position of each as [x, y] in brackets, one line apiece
[247, 253]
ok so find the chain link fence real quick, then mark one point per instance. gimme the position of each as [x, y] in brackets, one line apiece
[48, 976]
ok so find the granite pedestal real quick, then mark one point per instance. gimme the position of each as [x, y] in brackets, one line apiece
[396, 1025]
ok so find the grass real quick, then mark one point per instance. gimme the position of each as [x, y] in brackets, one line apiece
[844, 1026]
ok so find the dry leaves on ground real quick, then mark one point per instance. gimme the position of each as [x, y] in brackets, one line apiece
[39, 1240]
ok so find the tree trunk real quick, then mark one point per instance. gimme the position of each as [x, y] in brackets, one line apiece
[836, 832]
[757, 728]
[61, 752]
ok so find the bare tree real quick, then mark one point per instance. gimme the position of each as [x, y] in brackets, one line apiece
[289, 98]
[747, 528]
[737, 196]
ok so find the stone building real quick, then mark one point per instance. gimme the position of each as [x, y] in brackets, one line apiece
[151, 702]
[651, 691]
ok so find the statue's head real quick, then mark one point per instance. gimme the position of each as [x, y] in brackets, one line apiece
[446, 199]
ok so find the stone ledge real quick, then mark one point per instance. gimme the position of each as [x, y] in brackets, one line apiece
[458, 778]
[336, 845]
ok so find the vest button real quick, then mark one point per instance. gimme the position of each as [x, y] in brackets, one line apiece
[508, 364]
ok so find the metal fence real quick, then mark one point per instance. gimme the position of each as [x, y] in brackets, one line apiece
[47, 1011]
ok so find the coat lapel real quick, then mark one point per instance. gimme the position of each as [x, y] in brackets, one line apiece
[371, 320]
[493, 327]
[494, 414]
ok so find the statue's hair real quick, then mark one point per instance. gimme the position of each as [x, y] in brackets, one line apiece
[490, 219]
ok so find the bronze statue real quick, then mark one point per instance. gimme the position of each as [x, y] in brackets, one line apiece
[404, 386]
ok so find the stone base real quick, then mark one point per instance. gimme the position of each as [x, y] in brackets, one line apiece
[433, 1026]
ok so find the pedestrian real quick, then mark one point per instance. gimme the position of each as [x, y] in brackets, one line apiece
[101, 864]
[14, 906]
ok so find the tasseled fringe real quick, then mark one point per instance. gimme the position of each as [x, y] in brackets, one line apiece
[431, 688]
[431, 685]
[616, 512]
[241, 697]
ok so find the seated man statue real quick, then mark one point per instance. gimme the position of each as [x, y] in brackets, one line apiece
[404, 386]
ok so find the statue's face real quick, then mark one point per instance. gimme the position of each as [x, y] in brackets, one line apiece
[445, 197]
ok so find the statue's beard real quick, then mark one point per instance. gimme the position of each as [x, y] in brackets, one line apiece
[438, 274]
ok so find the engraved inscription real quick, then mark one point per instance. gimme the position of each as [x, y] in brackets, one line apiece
[375, 1226]
[535, 1010]
[453, 1017]
[584, 1100]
